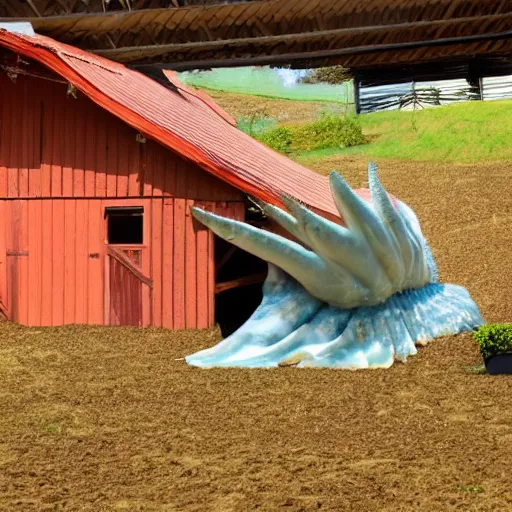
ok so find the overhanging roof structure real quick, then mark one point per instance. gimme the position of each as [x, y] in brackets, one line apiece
[361, 35]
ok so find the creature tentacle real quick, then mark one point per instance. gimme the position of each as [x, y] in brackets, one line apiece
[359, 217]
[341, 246]
[289, 255]
[322, 278]
[382, 203]
[287, 221]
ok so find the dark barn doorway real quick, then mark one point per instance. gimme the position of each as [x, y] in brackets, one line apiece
[234, 305]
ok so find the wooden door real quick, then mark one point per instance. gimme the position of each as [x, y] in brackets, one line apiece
[126, 284]
[128, 288]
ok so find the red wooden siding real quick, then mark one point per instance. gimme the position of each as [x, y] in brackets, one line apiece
[55, 263]
[62, 162]
[52, 145]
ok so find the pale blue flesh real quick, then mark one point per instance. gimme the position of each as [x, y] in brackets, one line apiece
[291, 326]
[360, 296]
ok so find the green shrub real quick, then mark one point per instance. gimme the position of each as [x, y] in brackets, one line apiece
[280, 139]
[494, 338]
[327, 132]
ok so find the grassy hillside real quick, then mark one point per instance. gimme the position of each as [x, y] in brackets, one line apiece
[465, 132]
[265, 82]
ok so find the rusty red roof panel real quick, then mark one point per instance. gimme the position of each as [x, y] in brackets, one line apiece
[187, 122]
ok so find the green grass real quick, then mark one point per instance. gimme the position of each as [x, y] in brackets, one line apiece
[324, 133]
[265, 82]
[466, 132]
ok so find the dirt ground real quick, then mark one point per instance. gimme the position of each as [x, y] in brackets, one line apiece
[284, 111]
[106, 419]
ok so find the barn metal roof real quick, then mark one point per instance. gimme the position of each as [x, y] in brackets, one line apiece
[181, 119]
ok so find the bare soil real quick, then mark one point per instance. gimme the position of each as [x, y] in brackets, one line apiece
[106, 419]
[242, 106]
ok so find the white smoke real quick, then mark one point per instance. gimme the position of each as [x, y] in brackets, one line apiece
[290, 77]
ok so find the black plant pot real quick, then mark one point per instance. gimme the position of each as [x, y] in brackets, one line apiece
[499, 364]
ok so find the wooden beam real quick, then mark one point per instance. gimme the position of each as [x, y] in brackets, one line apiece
[121, 257]
[312, 36]
[34, 8]
[288, 58]
[357, 95]
[242, 281]
[87, 31]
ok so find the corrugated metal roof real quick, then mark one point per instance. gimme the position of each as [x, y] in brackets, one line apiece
[184, 121]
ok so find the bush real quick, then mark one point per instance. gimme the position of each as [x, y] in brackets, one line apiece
[280, 139]
[327, 132]
[494, 338]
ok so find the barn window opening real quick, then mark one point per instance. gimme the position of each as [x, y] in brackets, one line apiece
[125, 225]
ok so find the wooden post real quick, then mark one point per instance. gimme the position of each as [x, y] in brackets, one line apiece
[357, 98]
[475, 80]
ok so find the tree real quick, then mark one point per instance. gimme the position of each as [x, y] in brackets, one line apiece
[330, 75]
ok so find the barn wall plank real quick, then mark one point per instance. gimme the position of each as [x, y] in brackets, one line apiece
[125, 157]
[69, 142]
[112, 159]
[34, 259]
[203, 262]
[168, 267]
[179, 263]
[146, 263]
[69, 260]
[100, 148]
[24, 284]
[191, 304]
[52, 104]
[81, 261]
[95, 262]
[47, 251]
[26, 139]
[47, 136]
[90, 155]
[159, 167]
[157, 241]
[3, 255]
[58, 259]
[80, 143]
[15, 141]
[5, 138]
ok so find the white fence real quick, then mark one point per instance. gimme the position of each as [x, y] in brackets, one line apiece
[429, 94]
[497, 88]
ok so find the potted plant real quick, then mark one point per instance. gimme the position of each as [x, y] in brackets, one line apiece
[495, 342]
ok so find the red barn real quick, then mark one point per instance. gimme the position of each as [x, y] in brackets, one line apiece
[99, 166]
